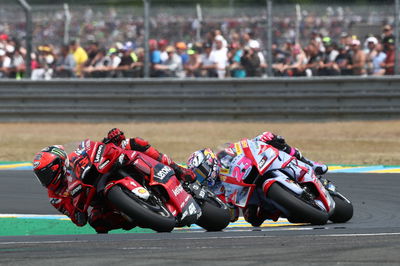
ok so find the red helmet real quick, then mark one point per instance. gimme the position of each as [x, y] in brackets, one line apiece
[49, 166]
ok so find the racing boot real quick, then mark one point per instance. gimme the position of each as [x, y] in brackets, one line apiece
[104, 220]
[319, 168]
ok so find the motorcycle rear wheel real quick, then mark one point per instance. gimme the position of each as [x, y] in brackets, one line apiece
[147, 214]
[343, 210]
[299, 210]
[215, 215]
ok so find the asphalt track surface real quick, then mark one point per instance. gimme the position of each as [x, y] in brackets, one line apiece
[372, 237]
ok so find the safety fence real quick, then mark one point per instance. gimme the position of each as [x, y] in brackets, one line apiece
[175, 99]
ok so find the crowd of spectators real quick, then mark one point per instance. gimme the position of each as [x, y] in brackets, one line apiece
[231, 48]
[238, 56]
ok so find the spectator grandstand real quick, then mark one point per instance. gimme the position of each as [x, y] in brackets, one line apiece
[109, 42]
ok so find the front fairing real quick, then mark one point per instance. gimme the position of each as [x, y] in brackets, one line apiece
[180, 203]
[237, 161]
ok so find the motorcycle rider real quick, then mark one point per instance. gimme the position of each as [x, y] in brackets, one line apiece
[52, 168]
[207, 165]
[117, 137]
[279, 142]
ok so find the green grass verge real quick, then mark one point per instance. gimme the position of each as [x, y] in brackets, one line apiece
[19, 226]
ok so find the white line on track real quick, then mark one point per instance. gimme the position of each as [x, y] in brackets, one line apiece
[203, 238]
[44, 242]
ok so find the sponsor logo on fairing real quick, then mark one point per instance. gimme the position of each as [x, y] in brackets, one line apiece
[124, 143]
[99, 153]
[192, 209]
[177, 190]
[141, 192]
[35, 165]
[76, 190]
[103, 164]
[54, 201]
[262, 162]
[163, 172]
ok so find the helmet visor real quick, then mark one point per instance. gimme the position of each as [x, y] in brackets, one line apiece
[49, 174]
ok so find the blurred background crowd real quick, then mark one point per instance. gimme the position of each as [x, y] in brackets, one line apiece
[108, 42]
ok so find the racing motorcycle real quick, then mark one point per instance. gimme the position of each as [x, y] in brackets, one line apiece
[255, 173]
[142, 189]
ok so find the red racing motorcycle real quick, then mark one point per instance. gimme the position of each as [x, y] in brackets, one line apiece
[142, 189]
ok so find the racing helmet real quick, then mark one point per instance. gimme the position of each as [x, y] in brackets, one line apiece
[49, 166]
[205, 165]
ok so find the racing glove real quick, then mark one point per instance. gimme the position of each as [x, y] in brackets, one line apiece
[115, 136]
[183, 174]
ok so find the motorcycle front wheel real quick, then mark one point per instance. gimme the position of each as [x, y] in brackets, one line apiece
[296, 209]
[215, 214]
[343, 210]
[150, 213]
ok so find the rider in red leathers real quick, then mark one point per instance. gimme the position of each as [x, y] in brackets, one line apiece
[53, 170]
[50, 167]
[100, 213]
[58, 173]
[117, 137]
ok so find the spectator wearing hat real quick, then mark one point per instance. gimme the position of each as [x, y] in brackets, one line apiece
[343, 60]
[256, 46]
[162, 45]
[181, 48]
[208, 64]
[345, 40]
[192, 68]
[388, 63]
[297, 61]
[17, 64]
[115, 58]
[46, 63]
[172, 67]
[223, 40]
[80, 56]
[251, 62]
[328, 59]
[387, 34]
[370, 52]
[220, 55]
[358, 59]
[128, 60]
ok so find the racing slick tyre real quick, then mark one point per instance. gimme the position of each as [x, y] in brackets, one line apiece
[150, 213]
[296, 209]
[343, 210]
[215, 215]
